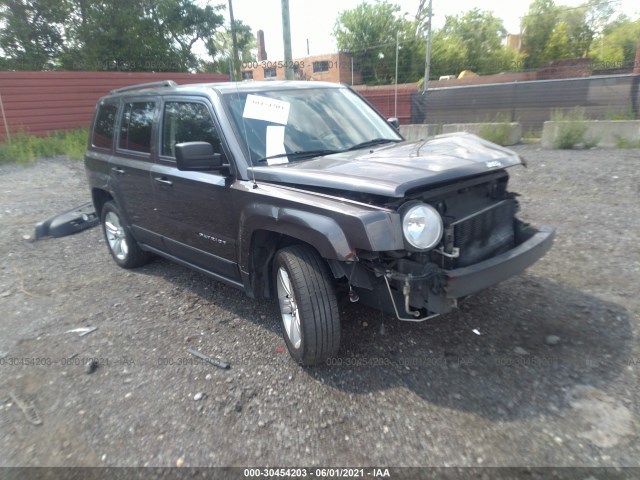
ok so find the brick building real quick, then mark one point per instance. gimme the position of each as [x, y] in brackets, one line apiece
[333, 67]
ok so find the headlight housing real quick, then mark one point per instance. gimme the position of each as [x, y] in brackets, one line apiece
[421, 225]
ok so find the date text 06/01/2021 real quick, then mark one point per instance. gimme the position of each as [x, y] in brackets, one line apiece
[317, 472]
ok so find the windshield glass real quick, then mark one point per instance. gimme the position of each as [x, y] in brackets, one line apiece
[279, 126]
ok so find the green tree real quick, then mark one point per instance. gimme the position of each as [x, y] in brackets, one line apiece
[186, 23]
[220, 48]
[32, 33]
[118, 35]
[559, 45]
[481, 33]
[149, 35]
[617, 43]
[368, 32]
[537, 27]
[448, 54]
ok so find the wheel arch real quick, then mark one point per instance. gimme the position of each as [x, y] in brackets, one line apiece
[263, 245]
[100, 197]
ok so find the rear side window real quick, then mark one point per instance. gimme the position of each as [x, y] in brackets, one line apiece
[187, 122]
[135, 127]
[104, 127]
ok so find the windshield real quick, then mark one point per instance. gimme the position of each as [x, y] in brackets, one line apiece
[279, 126]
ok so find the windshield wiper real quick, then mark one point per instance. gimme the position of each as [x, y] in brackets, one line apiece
[371, 143]
[300, 154]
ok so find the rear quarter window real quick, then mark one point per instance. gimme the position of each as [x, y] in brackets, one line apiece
[104, 127]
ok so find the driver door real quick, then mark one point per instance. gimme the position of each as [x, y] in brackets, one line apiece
[194, 211]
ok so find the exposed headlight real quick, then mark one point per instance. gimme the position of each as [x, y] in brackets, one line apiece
[421, 225]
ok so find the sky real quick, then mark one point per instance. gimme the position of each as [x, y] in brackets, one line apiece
[314, 19]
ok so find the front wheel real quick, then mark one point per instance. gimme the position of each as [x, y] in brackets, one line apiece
[308, 305]
[123, 247]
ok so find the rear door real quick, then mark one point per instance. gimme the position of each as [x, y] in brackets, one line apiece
[131, 165]
[195, 212]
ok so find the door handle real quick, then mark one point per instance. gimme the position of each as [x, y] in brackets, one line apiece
[118, 170]
[163, 180]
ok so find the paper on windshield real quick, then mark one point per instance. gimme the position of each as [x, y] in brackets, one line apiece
[267, 109]
[275, 145]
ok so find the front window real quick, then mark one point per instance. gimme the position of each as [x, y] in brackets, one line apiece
[283, 123]
[187, 122]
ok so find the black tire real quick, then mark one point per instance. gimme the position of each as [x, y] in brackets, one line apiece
[123, 247]
[315, 308]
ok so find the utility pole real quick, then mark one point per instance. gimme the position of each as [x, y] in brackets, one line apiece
[234, 40]
[395, 96]
[286, 38]
[427, 63]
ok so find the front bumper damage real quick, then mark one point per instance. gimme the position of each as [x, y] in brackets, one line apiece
[413, 294]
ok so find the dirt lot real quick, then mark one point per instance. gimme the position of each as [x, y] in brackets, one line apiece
[552, 379]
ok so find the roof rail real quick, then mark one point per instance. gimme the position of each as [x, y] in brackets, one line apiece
[163, 83]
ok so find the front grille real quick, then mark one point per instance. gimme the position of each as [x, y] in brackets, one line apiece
[485, 233]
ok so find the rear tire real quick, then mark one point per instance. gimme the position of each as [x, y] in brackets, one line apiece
[308, 306]
[123, 247]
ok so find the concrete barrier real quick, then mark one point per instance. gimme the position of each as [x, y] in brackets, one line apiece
[512, 135]
[603, 133]
[420, 132]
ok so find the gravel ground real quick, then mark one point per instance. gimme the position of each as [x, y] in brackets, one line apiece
[552, 379]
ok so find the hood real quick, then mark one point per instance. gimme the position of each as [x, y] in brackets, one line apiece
[393, 170]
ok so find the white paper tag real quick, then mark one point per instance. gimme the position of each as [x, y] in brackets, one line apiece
[267, 109]
[275, 144]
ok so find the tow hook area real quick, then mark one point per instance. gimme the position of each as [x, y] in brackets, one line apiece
[415, 315]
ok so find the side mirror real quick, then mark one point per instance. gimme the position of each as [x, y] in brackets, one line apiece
[198, 156]
[394, 122]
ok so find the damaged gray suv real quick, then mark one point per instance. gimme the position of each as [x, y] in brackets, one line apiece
[302, 192]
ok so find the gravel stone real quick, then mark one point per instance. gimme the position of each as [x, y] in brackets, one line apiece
[508, 413]
[552, 340]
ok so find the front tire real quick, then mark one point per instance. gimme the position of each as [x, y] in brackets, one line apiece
[308, 305]
[123, 247]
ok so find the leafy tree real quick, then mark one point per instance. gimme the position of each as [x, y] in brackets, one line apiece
[32, 33]
[537, 27]
[448, 54]
[149, 35]
[119, 35]
[368, 32]
[472, 41]
[220, 48]
[186, 23]
[617, 43]
[481, 33]
[553, 32]
[558, 45]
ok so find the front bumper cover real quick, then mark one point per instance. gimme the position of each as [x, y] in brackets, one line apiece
[412, 295]
[465, 281]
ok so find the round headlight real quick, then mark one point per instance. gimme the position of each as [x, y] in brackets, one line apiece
[422, 226]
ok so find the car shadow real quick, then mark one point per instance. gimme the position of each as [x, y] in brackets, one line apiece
[513, 351]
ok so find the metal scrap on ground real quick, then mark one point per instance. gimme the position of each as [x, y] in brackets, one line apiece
[213, 361]
[82, 331]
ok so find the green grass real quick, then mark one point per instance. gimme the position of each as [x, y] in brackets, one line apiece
[627, 114]
[495, 132]
[622, 142]
[497, 129]
[25, 148]
[571, 129]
